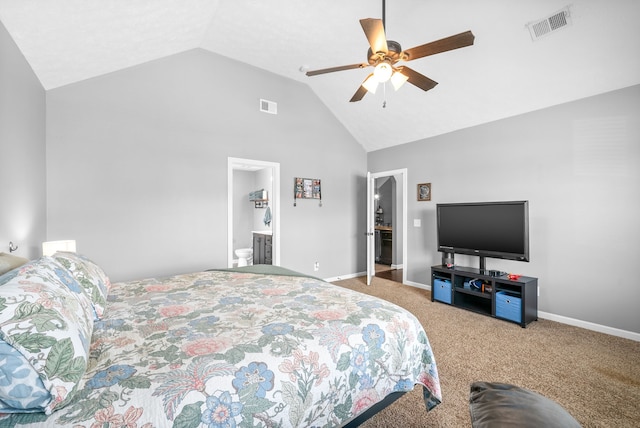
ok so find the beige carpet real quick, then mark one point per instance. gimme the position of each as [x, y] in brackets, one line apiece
[594, 376]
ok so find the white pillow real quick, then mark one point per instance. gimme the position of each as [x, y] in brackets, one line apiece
[9, 262]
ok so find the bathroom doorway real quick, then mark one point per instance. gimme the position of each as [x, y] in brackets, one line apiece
[244, 216]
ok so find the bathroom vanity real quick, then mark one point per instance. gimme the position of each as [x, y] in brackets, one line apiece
[262, 248]
[384, 244]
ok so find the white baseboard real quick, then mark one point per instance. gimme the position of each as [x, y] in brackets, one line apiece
[546, 315]
[341, 277]
[590, 326]
[418, 285]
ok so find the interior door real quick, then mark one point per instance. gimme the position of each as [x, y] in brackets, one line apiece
[371, 245]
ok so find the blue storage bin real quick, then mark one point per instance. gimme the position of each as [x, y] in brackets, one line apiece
[442, 290]
[509, 306]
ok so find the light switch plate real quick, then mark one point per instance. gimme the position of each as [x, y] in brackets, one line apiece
[417, 222]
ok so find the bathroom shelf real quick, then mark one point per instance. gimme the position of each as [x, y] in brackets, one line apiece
[258, 195]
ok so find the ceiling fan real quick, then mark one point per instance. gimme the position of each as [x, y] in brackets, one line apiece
[384, 55]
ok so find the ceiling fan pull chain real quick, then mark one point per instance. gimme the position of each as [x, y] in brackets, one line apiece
[384, 90]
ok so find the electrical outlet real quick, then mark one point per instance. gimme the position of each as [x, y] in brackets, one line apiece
[316, 266]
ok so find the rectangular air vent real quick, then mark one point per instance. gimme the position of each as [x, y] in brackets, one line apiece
[548, 25]
[268, 106]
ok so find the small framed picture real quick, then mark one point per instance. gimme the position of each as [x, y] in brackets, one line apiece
[424, 191]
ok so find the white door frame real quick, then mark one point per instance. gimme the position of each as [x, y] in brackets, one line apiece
[371, 220]
[274, 203]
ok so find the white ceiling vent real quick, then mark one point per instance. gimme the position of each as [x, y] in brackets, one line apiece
[550, 24]
[267, 106]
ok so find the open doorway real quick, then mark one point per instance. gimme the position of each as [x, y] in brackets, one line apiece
[244, 217]
[387, 213]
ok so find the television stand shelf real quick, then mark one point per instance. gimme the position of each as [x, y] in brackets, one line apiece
[478, 290]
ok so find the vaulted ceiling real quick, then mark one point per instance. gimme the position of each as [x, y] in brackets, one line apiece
[505, 73]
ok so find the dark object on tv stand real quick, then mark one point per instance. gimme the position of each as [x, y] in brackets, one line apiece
[448, 259]
[491, 272]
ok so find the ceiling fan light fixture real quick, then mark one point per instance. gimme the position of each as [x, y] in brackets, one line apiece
[383, 72]
[398, 79]
[384, 54]
[371, 83]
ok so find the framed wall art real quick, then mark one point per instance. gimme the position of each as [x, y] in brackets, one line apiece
[307, 188]
[424, 191]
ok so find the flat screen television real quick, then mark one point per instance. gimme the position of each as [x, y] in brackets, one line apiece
[485, 229]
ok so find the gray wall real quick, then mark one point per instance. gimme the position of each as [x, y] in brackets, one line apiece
[397, 222]
[386, 187]
[22, 153]
[578, 164]
[243, 184]
[137, 167]
[262, 180]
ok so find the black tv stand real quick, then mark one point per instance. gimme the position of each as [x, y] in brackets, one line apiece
[486, 292]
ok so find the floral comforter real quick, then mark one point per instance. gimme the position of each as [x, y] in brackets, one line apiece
[226, 349]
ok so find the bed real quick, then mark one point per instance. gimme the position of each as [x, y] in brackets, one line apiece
[253, 347]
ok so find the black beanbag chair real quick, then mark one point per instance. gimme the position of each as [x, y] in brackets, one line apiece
[496, 405]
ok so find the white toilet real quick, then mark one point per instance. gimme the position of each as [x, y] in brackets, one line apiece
[244, 256]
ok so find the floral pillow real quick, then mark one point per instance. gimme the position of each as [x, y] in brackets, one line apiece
[21, 389]
[90, 276]
[47, 318]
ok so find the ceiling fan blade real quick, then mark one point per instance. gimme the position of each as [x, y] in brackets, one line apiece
[360, 93]
[443, 45]
[332, 69]
[417, 79]
[374, 30]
